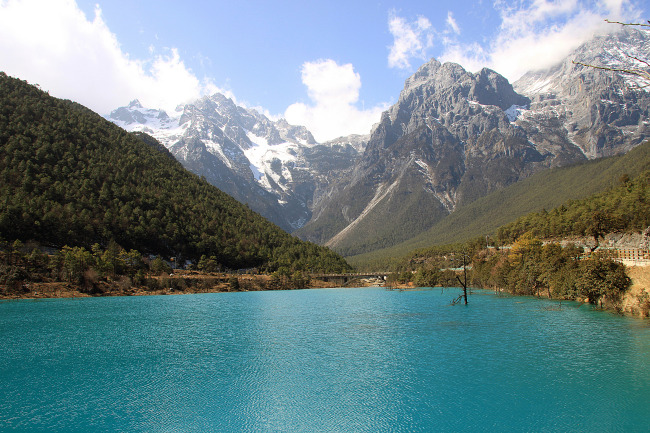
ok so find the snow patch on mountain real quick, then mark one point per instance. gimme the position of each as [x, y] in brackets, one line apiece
[215, 148]
[270, 163]
[423, 165]
[514, 112]
[275, 167]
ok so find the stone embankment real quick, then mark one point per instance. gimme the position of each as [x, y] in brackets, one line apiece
[636, 301]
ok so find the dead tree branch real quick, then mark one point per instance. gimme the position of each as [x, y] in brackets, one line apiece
[642, 73]
[628, 24]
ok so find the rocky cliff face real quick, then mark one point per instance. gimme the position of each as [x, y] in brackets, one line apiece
[277, 169]
[602, 113]
[452, 137]
[455, 136]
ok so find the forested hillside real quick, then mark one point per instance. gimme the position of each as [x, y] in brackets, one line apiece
[545, 190]
[69, 177]
[530, 266]
[625, 208]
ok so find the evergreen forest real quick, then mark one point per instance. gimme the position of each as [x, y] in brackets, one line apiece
[527, 258]
[625, 208]
[71, 178]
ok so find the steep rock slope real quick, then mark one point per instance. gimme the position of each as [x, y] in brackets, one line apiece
[454, 136]
[277, 169]
[600, 112]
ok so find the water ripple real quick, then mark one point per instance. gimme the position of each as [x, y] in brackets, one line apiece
[359, 360]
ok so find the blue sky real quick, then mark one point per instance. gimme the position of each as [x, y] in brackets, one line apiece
[333, 66]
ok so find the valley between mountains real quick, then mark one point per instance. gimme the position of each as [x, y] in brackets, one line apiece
[452, 138]
[542, 185]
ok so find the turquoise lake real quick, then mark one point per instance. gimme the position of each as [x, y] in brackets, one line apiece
[330, 360]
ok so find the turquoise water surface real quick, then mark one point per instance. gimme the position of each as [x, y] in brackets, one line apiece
[332, 360]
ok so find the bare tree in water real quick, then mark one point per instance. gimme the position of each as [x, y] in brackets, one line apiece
[463, 282]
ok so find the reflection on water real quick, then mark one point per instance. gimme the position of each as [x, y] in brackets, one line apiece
[320, 360]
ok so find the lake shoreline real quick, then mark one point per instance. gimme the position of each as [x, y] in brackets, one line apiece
[631, 303]
[55, 290]
[635, 302]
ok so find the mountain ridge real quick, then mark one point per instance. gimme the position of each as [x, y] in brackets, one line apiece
[276, 168]
[454, 137]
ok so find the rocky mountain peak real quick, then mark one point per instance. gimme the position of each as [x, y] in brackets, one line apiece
[450, 95]
[277, 168]
[358, 142]
[437, 91]
[135, 115]
[424, 73]
[601, 112]
[491, 88]
[455, 136]
[613, 50]
[433, 76]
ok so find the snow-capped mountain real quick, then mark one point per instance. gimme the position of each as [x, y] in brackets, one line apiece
[276, 168]
[454, 136]
[602, 113]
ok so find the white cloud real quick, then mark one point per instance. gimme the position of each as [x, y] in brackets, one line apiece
[472, 57]
[53, 43]
[334, 91]
[538, 34]
[411, 40]
[452, 24]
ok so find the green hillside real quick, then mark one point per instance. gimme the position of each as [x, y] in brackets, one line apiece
[544, 190]
[625, 208]
[532, 267]
[69, 177]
